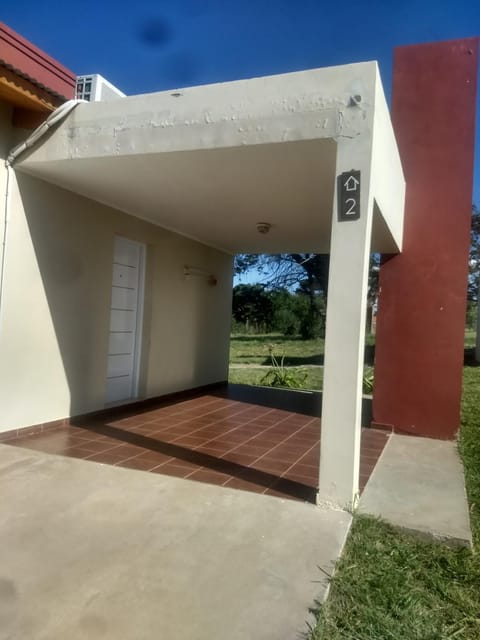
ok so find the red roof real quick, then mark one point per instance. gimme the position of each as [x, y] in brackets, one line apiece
[26, 60]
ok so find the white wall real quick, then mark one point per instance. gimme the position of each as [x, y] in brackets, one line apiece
[54, 322]
[388, 183]
[5, 146]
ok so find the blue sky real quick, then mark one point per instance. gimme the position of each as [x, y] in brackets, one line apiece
[149, 46]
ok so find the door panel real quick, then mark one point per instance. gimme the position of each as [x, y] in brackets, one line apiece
[123, 319]
[119, 388]
[120, 365]
[121, 342]
[125, 315]
[125, 276]
[123, 298]
[126, 251]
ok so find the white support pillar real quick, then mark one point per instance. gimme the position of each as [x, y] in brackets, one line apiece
[345, 333]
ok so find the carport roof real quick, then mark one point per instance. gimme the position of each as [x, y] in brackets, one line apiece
[210, 162]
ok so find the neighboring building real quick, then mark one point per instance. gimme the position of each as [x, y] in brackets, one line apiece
[94, 88]
[32, 83]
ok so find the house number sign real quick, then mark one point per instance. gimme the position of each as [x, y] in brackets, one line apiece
[348, 190]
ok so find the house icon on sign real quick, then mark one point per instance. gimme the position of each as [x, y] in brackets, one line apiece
[351, 183]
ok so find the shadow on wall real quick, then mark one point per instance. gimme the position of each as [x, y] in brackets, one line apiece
[75, 270]
[185, 336]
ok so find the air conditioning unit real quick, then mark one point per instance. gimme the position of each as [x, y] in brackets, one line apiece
[94, 88]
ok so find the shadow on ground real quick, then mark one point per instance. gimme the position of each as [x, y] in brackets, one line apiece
[469, 358]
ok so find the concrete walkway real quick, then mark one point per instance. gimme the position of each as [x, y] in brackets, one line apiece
[418, 485]
[100, 552]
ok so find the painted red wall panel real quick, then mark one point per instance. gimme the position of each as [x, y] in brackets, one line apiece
[22, 56]
[421, 316]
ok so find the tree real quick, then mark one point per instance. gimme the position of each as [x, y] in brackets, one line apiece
[285, 316]
[307, 273]
[252, 305]
[474, 257]
[286, 270]
[474, 271]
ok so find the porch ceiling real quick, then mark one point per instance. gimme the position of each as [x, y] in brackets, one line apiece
[211, 162]
[218, 196]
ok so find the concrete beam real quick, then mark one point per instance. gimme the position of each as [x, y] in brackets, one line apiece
[304, 105]
[258, 149]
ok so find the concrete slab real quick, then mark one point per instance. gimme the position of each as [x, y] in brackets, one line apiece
[95, 551]
[418, 485]
[258, 148]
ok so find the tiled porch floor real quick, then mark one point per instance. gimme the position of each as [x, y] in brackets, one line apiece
[231, 436]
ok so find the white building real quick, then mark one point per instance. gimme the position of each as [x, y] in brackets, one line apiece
[95, 88]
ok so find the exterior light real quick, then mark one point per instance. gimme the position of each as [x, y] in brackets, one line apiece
[263, 227]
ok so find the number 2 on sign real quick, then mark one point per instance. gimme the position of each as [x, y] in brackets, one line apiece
[351, 208]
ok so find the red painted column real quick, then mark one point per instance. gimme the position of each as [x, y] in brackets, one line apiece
[422, 301]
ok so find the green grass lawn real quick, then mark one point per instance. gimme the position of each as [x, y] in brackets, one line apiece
[390, 585]
[469, 445]
[470, 337]
[255, 349]
[254, 375]
[305, 356]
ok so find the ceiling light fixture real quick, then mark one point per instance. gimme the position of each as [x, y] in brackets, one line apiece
[263, 227]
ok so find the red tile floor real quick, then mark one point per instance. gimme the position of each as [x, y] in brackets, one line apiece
[231, 436]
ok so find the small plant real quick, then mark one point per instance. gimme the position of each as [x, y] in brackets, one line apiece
[368, 380]
[281, 376]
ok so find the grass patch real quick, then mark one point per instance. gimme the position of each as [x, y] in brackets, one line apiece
[393, 586]
[390, 585]
[470, 337]
[254, 375]
[255, 349]
[304, 356]
[469, 445]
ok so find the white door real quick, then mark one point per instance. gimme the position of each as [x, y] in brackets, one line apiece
[125, 320]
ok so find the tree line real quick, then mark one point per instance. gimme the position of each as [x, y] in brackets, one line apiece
[292, 297]
[257, 309]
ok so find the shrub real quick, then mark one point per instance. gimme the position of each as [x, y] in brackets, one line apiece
[281, 376]
[287, 322]
[368, 380]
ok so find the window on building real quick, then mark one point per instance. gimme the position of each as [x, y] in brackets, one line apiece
[84, 89]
